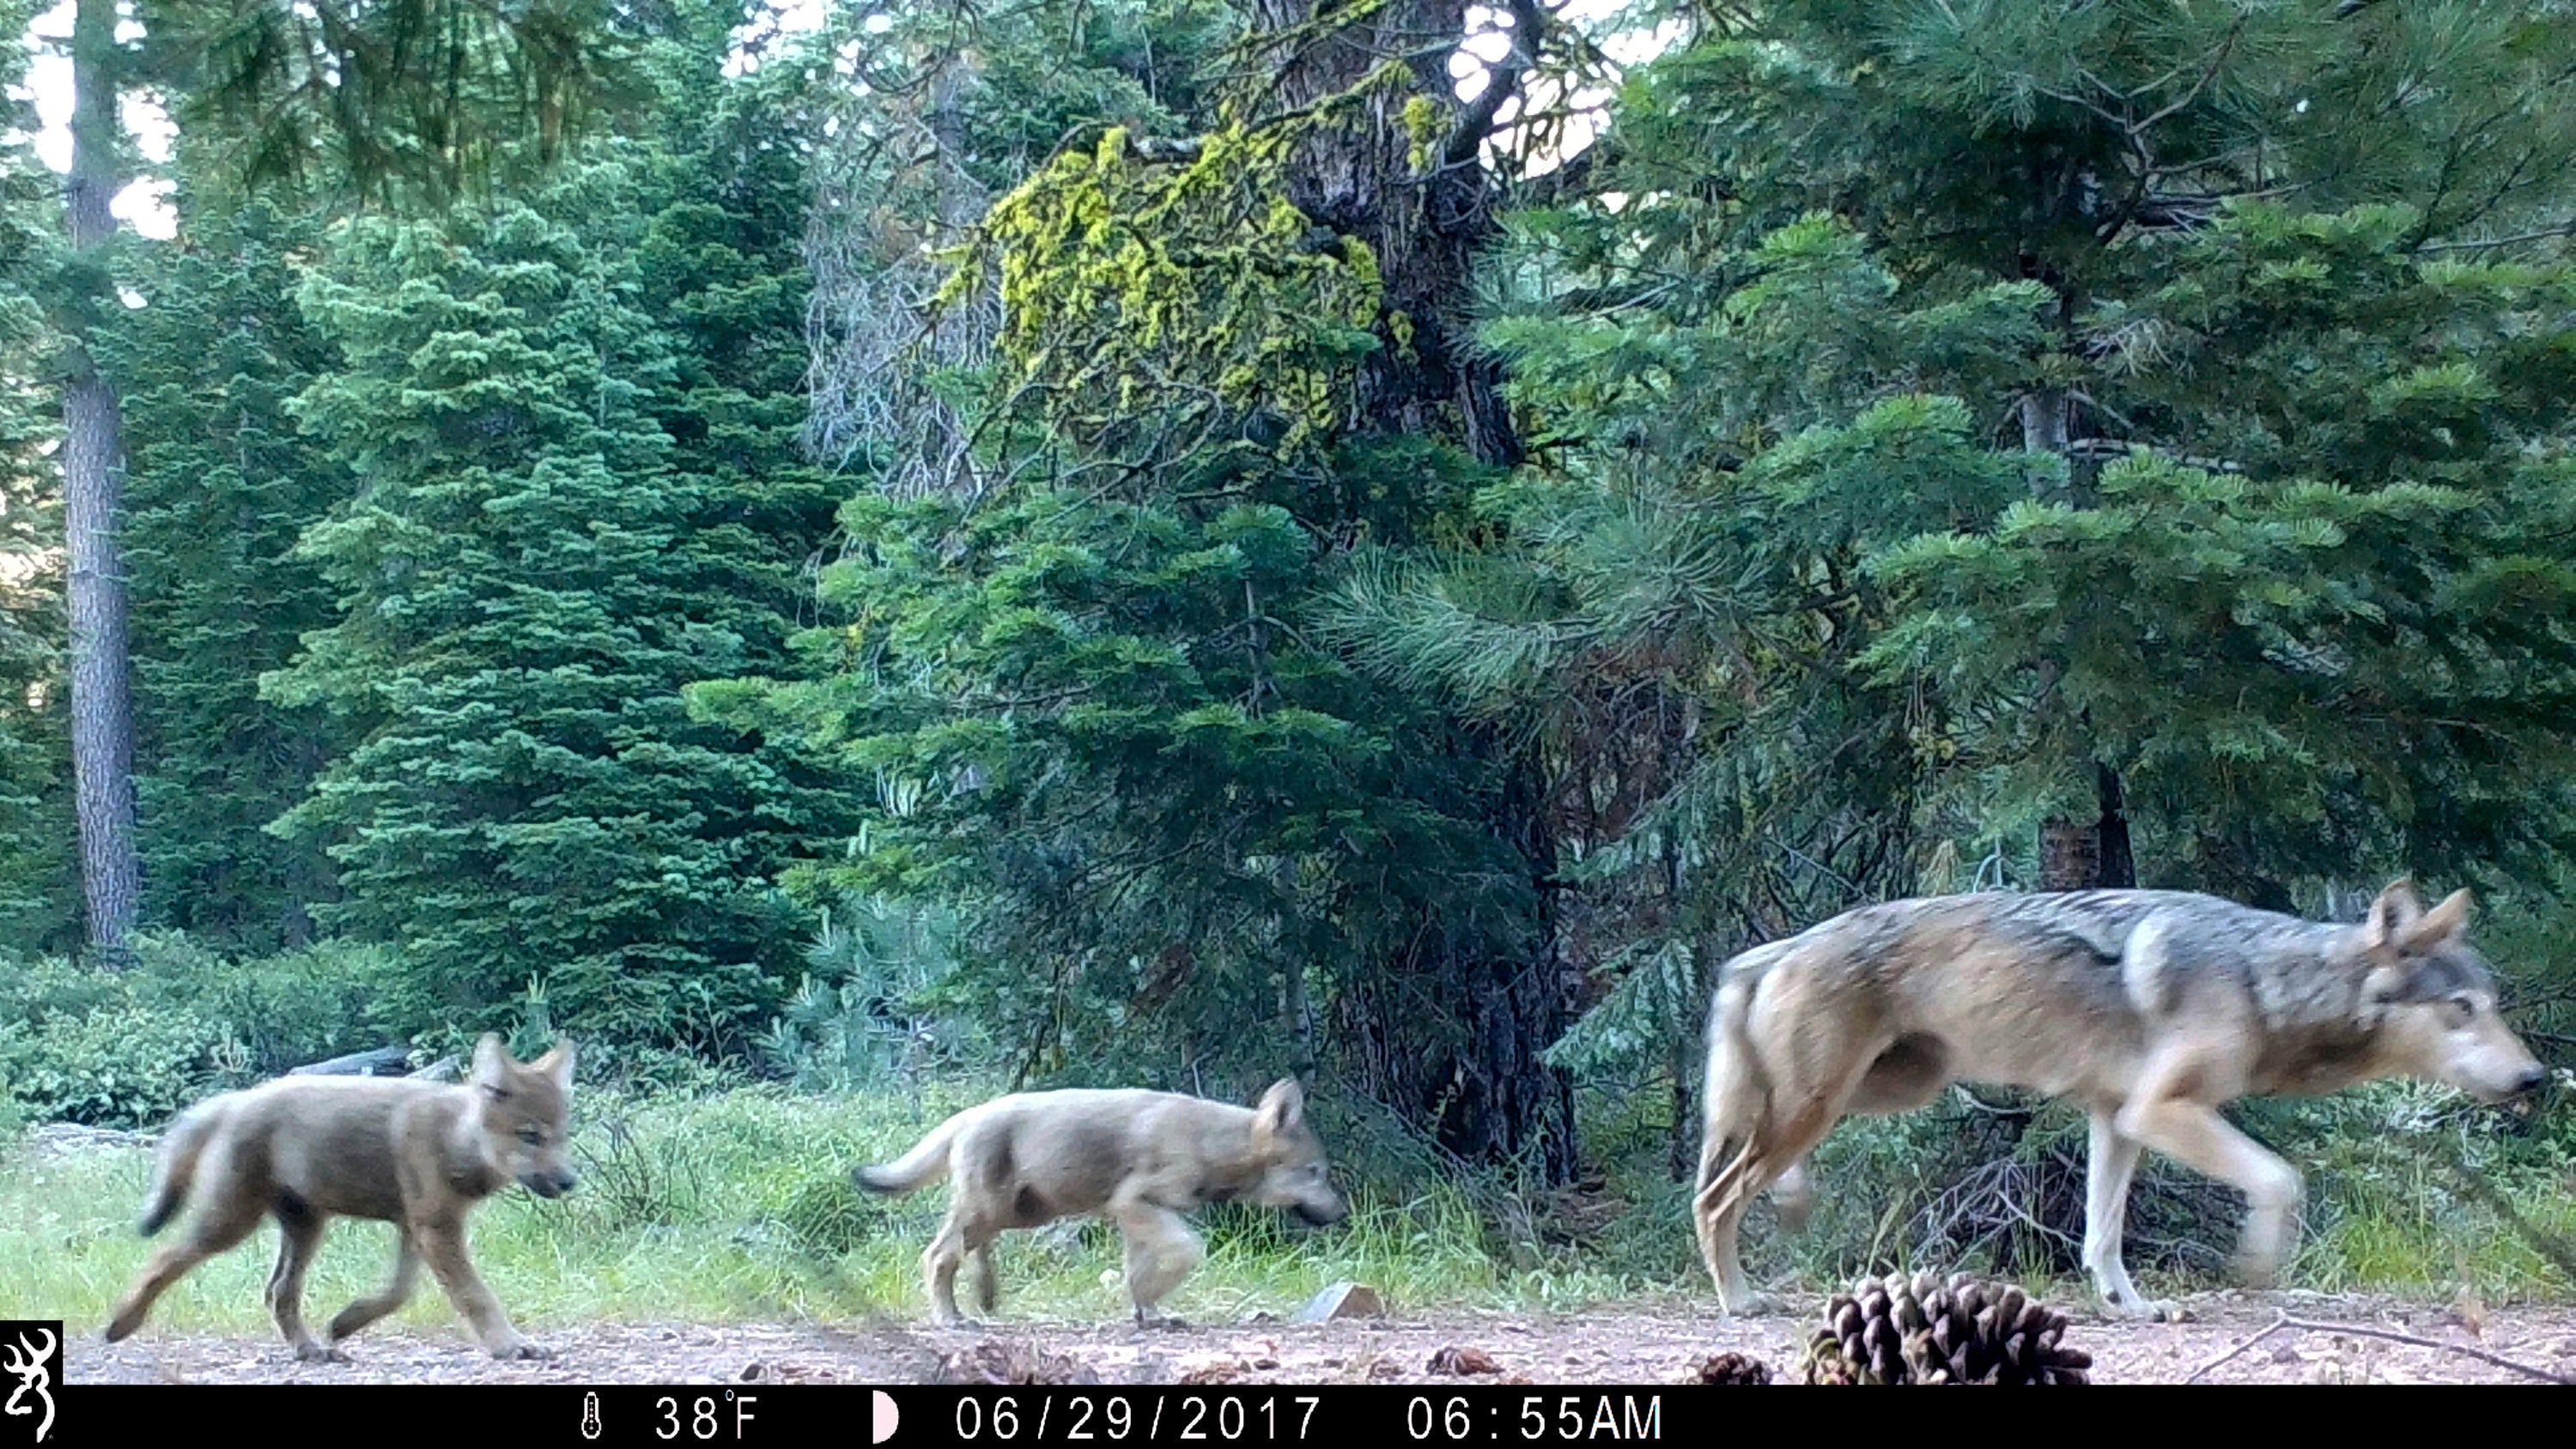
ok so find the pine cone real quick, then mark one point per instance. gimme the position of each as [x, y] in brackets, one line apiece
[1734, 1368]
[1920, 1330]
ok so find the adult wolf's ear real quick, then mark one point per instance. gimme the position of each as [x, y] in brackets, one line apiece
[491, 1063]
[2442, 923]
[1282, 1108]
[2395, 913]
[557, 1063]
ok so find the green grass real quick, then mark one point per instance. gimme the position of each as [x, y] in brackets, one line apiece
[737, 1206]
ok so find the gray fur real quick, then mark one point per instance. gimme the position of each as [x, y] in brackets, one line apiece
[1139, 1159]
[2151, 1009]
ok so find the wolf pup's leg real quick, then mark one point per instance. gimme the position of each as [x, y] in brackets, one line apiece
[442, 1243]
[397, 1293]
[962, 1236]
[988, 1285]
[2111, 1161]
[230, 1211]
[1160, 1251]
[299, 1235]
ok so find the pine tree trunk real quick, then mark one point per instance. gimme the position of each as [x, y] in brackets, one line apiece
[1476, 1077]
[1357, 177]
[2075, 853]
[102, 711]
[2114, 868]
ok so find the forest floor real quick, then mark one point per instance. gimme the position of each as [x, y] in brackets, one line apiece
[1605, 1346]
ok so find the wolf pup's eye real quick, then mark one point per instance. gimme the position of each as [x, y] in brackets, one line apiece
[2460, 1010]
[531, 1136]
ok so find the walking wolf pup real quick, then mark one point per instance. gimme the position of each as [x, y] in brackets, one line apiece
[416, 1154]
[2151, 1009]
[1137, 1158]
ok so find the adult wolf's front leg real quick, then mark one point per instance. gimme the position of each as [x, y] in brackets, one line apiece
[2192, 1131]
[2111, 1163]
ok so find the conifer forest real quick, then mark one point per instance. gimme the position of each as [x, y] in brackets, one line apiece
[858, 555]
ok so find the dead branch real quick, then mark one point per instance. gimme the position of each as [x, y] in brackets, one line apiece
[2311, 1325]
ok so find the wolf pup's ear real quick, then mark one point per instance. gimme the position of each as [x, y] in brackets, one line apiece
[2394, 913]
[2443, 922]
[491, 1062]
[557, 1063]
[1282, 1107]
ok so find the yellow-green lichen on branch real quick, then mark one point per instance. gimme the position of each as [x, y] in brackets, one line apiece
[1136, 287]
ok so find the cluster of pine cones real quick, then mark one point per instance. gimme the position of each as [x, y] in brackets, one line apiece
[1921, 1330]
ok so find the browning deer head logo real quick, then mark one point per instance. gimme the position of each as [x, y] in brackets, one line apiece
[31, 1363]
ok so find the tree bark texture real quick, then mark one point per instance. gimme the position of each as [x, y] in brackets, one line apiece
[102, 709]
[2077, 853]
[1356, 176]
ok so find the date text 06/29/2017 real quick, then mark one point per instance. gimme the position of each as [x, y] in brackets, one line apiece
[1222, 1417]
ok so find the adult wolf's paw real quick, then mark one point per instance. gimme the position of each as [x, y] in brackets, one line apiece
[316, 1353]
[522, 1349]
[2256, 1269]
[2144, 1310]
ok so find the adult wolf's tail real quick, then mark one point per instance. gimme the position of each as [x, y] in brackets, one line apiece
[918, 1168]
[1735, 1096]
[175, 1169]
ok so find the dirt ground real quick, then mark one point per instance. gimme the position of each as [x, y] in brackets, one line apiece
[1607, 1347]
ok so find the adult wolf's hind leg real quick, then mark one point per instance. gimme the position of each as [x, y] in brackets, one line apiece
[1793, 1197]
[1770, 1149]
[299, 1236]
[396, 1293]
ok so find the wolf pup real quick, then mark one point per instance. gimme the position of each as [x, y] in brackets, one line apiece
[416, 1154]
[2152, 1009]
[1139, 1159]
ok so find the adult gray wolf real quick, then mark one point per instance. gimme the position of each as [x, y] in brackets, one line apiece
[416, 1154]
[2151, 1009]
[1139, 1159]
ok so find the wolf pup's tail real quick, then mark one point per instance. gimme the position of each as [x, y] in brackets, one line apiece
[175, 1169]
[918, 1168]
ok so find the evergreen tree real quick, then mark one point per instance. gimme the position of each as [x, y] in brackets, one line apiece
[220, 486]
[39, 865]
[522, 596]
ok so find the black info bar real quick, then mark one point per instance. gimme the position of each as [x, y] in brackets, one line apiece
[631, 1416]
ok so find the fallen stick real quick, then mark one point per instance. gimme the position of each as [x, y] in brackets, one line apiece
[2309, 1325]
[2242, 1344]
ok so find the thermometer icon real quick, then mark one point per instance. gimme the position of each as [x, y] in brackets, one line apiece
[590, 1415]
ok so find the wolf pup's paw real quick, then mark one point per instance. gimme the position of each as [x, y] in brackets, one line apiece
[316, 1353]
[522, 1349]
[1752, 1305]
